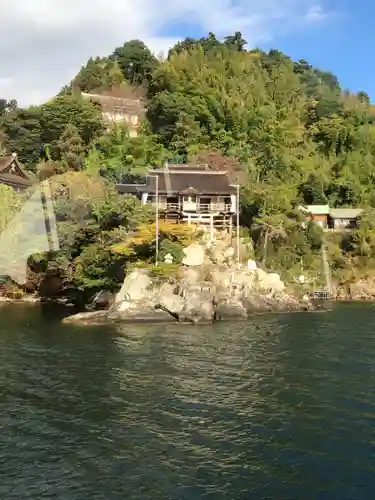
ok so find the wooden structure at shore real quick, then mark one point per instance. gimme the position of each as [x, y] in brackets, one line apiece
[190, 194]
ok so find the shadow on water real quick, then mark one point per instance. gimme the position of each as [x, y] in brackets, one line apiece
[279, 407]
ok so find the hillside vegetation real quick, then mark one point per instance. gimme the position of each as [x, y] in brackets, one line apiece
[285, 130]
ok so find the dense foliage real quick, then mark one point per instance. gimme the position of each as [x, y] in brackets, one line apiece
[286, 131]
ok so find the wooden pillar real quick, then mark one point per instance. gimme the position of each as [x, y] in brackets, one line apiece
[211, 228]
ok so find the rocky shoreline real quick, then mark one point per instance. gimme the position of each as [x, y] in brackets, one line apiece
[208, 287]
[362, 290]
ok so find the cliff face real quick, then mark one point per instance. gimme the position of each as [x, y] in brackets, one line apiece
[209, 287]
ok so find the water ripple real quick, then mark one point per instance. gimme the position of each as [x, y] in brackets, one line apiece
[281, 407]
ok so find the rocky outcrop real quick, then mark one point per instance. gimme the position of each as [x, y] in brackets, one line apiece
[230, 309]
[135, 287]
[194, 255]
[363, 289]
[87, 318]
[209, 287]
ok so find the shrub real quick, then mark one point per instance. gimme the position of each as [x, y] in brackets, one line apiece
[174, 248]
[164, 270]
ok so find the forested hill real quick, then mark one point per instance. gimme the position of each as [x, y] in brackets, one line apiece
[285, 130]
[289, 129]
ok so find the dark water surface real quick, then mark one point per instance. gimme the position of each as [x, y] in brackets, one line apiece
[280, 407]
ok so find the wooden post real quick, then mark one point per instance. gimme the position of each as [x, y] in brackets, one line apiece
[211, 228]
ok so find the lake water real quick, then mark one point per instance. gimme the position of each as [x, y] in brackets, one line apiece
[279, 407]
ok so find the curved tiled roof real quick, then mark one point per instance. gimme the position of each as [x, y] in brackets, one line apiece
[20, 179]
[206, 182]
[5, 162]
[118, 104]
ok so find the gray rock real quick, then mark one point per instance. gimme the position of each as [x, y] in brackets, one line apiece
[171, 303]
[102, 300]
[251, 265]
[230, 310]
[141, 315]
[257, 304]
[199, 307]
[268, 282]
[194, 255]
[229, 254]
[207, 288]
[189, 275]
[87, 318]
[136, 286]
[216, 251]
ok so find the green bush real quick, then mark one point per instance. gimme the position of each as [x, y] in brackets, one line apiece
[174, 248]
[164, 270]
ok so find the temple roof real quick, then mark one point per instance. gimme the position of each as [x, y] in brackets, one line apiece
[13, 174]
[180, 182]
[117, 104]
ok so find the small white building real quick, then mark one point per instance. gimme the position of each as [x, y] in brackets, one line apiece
[344, 218]
[318, 214]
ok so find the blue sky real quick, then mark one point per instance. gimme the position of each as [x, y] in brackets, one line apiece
[341, 41]
[343, 44]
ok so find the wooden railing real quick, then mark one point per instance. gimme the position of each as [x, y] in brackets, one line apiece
[214, 207]
[200, 208]
[338, 229]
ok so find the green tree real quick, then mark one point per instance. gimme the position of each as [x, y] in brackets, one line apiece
[118, 155]
[66, 110]
[98, 73]
[236, 41]
[136, 62]
[22, 134]
[9, 203]
[71, 149]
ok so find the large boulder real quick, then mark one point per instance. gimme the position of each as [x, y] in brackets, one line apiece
[257, 304]
[216, 251]
[251, 265]
[130, 312]
[232, 283]
[194, 255]
[268, 282]
[229, 255]
[102, 300]
[275, 283]
[198, 305]
[189, 275]
[363, 289]
[87, 318]
[230, 309]
[137, 285]
[170, 302]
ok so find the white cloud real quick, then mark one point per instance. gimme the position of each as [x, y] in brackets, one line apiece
[44, 42]
[316, 13]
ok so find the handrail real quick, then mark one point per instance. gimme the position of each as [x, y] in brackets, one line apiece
[199, 207]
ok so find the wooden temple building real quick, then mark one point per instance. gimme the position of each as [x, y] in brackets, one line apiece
[188, 193]
[130, 111]
[13, 174]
